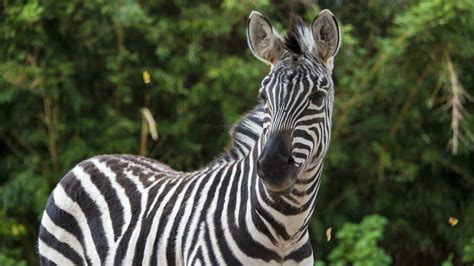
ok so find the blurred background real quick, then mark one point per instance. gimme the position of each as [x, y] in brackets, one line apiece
[399, 176]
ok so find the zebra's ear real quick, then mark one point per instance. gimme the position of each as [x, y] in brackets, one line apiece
[264, 42]
[327, 37]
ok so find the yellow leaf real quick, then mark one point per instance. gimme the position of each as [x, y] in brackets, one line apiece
[146, 77]
[328, 234]
[453, 221]
[151, 123]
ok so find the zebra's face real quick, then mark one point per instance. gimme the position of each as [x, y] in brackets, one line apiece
[297, 96]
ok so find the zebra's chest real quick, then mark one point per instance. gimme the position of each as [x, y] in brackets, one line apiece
[187, 223]
[171, 222]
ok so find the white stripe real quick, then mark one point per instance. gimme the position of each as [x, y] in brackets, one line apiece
[228, 236]
[167, 232]
[213, 212]
[304, 141]
[52, 254]
[66, 204]
[186, 216]
[201, 244]
[238, 199]
[95, 194]
[128, 258]
[134, 179]
[252, 126]
[124, 202]
[155, 200]
[270, 229]
[257, 234]
[193, 228]
[205, 252]
[150, 240]
[245, 139]
[62, 235]
[292, 223]
[121, 194]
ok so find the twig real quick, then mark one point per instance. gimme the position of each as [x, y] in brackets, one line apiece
[458, 112]
[50, 118]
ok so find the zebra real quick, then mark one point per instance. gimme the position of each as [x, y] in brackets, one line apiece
[250, 206]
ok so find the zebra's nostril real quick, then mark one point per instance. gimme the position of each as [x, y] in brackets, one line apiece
[291, 160]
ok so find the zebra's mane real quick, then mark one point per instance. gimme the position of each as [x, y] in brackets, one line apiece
[244, 134]
[299, 38]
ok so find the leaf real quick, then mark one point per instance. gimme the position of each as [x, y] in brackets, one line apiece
[453, 221]
[328, 234]
[146, 77]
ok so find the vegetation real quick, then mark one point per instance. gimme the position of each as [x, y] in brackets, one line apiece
[71, 86]
[358, 243]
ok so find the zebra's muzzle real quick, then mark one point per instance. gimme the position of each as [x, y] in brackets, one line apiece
[276, 165]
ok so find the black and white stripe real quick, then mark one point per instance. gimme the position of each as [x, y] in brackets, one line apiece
[130, 210]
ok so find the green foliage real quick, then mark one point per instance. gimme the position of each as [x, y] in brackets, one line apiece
[10, 232]
[358, 243]
[71, 87]
[468, 256]
[448, 261]
[7, 261]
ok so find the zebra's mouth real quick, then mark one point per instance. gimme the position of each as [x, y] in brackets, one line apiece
[283, 192]
[281, 189]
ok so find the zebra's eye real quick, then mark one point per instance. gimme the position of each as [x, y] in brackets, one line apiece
[263, 96]
[317, 97]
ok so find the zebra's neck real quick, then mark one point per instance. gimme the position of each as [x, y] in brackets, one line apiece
[290, 213]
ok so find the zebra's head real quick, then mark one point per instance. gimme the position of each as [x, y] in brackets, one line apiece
[297, 96]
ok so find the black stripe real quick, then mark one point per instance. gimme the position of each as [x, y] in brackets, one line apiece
[242, 236]
[65, 221]
[59, 246]
[163, 222]
[76, 193]
[147, 222]
[171, 255]
[302, 253]
[205, 209]
[278, 203]
[103, 184]
[210, 244]
[135, 204]
[45, 262]
[146, 163]
[198, 258]
[221, 244]
[278, 227]
[194, 235]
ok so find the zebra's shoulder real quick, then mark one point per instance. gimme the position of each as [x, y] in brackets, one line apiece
[244, 134]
